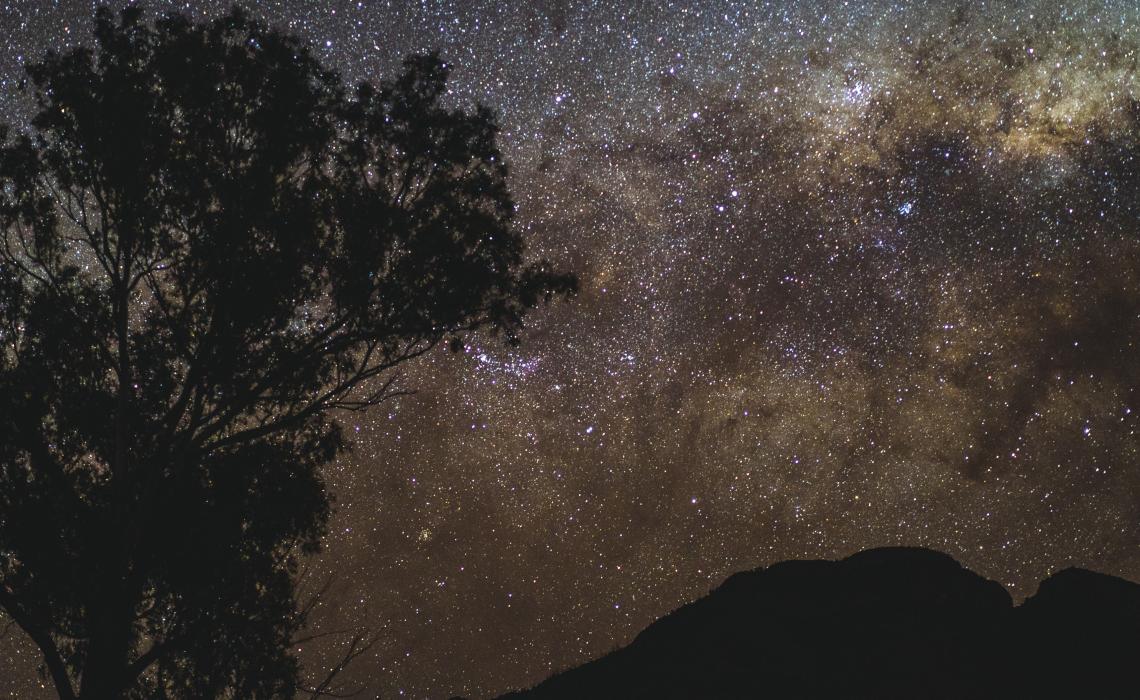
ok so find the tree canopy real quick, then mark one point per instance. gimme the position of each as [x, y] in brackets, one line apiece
[208, 245]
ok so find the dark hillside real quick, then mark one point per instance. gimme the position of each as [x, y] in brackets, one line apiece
[884, 623]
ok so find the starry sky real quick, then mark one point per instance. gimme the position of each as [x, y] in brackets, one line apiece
[853, 274]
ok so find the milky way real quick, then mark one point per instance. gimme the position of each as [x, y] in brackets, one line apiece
[853, 274]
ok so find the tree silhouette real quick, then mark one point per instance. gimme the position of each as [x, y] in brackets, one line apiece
[209, 245]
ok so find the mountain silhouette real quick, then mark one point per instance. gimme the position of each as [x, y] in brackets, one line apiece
[883, 623]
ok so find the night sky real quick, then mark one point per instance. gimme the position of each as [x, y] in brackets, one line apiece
[853, 274]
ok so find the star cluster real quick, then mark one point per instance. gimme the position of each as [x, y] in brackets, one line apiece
[853, 274]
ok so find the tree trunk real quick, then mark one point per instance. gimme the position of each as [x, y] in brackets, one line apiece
[110, 616]
[108, 654]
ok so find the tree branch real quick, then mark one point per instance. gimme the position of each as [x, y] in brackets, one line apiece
[42, 638]
[359, 645]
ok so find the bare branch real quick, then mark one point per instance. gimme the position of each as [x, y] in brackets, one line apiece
[359, 645]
